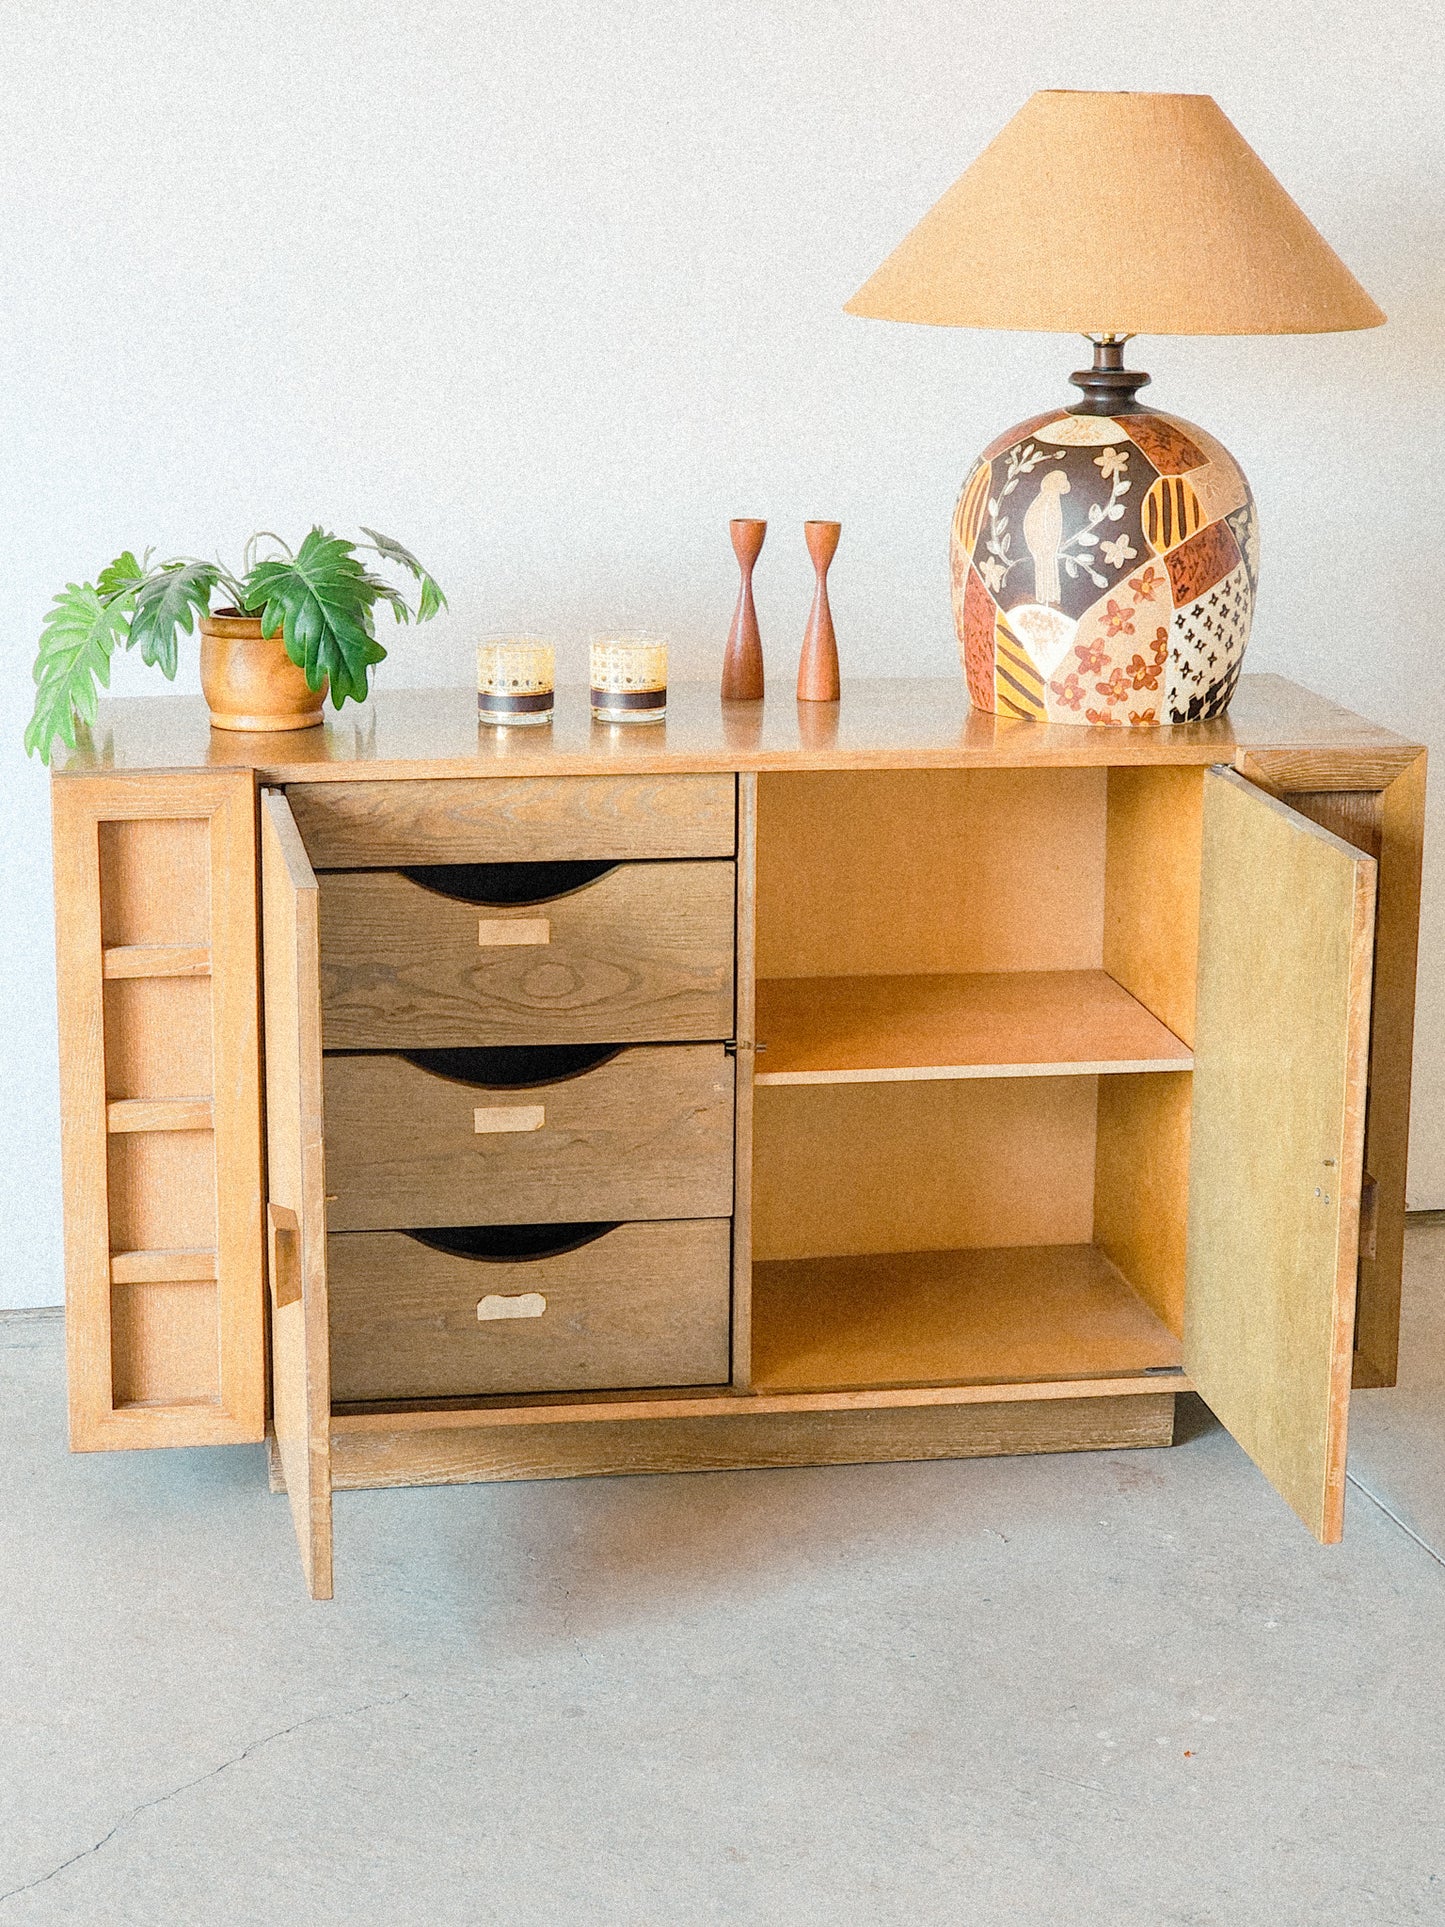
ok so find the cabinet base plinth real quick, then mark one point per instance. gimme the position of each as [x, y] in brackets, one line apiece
[455, 1454]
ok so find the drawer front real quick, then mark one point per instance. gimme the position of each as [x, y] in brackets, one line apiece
[641, 954]
[641, 1305]
[526, 819]
[645, 1134]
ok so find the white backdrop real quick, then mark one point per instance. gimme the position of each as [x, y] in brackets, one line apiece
[550, 291]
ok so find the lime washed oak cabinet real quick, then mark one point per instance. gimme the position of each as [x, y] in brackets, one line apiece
[787, 1084]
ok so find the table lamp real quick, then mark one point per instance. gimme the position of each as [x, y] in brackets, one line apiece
[1104, 555]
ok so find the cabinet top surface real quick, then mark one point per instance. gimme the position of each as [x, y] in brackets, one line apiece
[903, 724]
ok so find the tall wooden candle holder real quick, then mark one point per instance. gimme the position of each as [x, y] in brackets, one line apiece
[742, 679]
[818, 664]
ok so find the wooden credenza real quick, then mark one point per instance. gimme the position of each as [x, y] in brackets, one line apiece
[781, 1085]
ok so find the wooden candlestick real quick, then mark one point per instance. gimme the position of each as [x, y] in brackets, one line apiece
[818, 664]
[742, 678]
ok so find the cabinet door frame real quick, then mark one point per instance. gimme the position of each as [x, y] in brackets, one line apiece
[1287, 931]
[1376, 802]
[296, 1187]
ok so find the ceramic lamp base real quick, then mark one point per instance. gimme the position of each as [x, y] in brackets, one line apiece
[1104, 569]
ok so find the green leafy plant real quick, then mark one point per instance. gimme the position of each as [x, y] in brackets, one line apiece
[321, 598]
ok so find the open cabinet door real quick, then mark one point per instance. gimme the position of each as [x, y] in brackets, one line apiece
[1287, 917]
[296, 1211]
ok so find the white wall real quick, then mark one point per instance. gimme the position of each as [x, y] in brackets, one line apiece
[551, 291]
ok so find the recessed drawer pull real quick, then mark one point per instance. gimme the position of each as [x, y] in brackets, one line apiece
[511, 1244]
[526, 1304]
[509, 1117]
[514, 930]
[508, 1066]
[513, 884]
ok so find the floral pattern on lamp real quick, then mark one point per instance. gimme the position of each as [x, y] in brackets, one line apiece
[1104, 571]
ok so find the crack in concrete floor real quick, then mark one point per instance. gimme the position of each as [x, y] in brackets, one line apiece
[200, 1779]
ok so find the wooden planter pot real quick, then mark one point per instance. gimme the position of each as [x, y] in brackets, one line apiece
[249, 680]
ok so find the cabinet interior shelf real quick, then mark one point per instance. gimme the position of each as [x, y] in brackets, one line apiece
[1018, 1023]
[1024, 1312]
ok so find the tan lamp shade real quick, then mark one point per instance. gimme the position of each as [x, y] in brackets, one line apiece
[1098, 213]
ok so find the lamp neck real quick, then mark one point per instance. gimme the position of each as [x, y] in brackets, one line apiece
[1109, 387]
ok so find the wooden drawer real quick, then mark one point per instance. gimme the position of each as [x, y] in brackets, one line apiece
[502, 1136]
[641, 953]
[638, 1305]
[348, 826]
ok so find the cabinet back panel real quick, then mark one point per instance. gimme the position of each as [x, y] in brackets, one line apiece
[875, 873]
[155, 880]
[1151, 889]
[1141, 1185]
[846, 1169]
[165, 1344]
[158, 1037]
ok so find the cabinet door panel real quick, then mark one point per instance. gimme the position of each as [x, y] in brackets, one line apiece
[300, 1364]
[1280, 1054]
[155, 901]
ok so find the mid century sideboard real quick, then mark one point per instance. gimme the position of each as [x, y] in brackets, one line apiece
[785, 1084]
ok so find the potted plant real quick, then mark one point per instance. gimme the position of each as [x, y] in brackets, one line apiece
[292, 625]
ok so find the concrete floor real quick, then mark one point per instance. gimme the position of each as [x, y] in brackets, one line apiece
[1123, 1689]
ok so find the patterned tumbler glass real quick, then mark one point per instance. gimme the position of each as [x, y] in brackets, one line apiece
[629, 679]
[516, 677]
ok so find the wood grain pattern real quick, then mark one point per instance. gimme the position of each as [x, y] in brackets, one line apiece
[647, 1134]
[163, 1191]
[158, 1037]
[156, 960]
[160, 870]
[742, 673]
[895, 723]
[818, 677]
[1141, 1186]
[1388, 824]
[1286, 934]
[887, 873]
[553, 1408]
[300, 1352]
[843, 1169]
[1372, 761]
[1392, 1030]
[1021, 1023]
[645, 1304]
[949, 1318]
[376, 1451]
[1151, 889]
[165, 1342]
[746, 937]
[160, 1114]
[643, 954]
[186, 1265]
[746, 1064]
[155, 876]
[742, 1333]
[390, 825]
[1357, 817]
